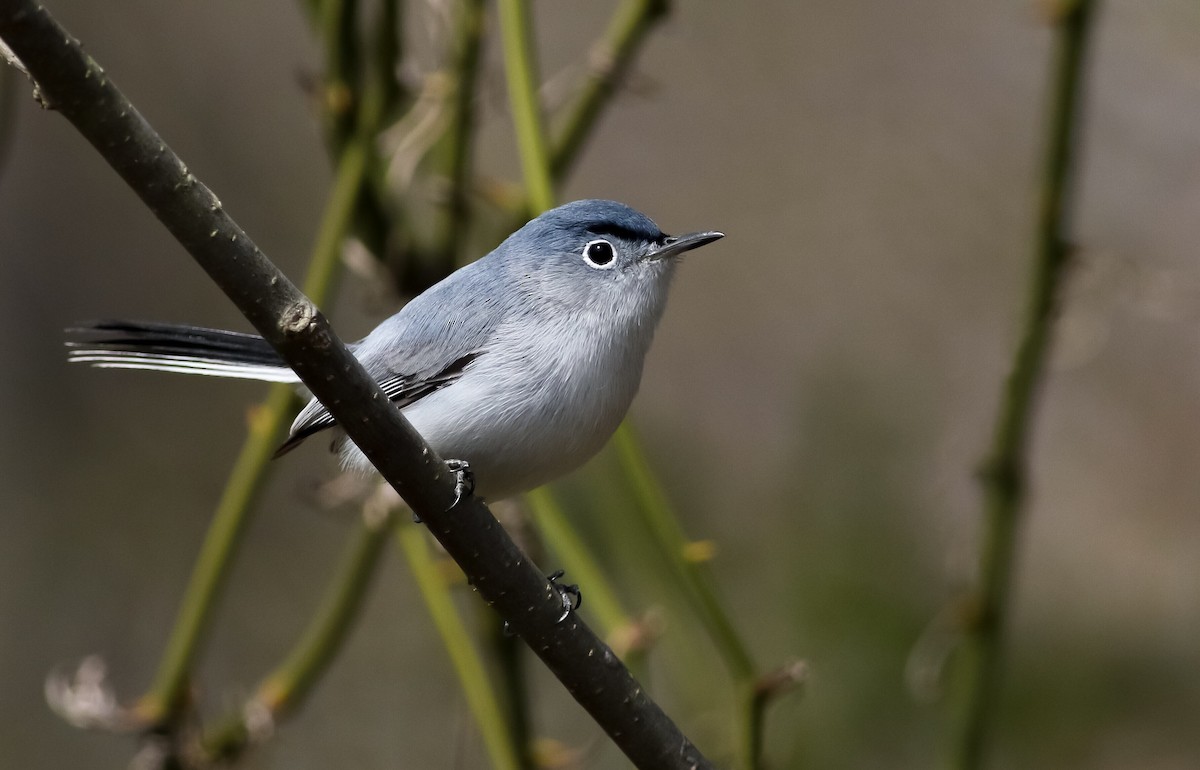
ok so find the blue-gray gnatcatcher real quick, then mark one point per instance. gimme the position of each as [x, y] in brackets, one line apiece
[521, 364]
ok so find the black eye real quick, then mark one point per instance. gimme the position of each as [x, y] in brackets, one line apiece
[599, 253]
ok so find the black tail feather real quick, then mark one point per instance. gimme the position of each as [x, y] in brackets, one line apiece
[174, 340]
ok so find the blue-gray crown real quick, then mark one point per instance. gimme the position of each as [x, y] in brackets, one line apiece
[600, 217]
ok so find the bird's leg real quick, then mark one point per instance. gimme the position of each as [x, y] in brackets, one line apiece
[464, 484]
[464, 480]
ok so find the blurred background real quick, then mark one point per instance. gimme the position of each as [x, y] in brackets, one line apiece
[816, 404]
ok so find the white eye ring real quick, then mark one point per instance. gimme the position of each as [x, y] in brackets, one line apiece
[600, 254]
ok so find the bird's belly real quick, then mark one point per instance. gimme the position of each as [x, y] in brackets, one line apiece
[517, 435]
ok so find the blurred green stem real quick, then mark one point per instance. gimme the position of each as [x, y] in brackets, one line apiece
[1005, 471]
[699, 590]
[386, 60]
[669, 536]
[342, 82]
[455, 147]
[609, 60]
[520, 66]
[382, 95]
[165, 696]
[285, 688]
[612, 56]
[475, 683]
[509, 651]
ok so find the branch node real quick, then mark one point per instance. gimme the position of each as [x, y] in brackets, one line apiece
[298, 319]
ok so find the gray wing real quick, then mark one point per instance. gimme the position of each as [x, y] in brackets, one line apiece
[424, 347]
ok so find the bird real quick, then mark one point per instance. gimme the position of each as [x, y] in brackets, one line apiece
[517, 367]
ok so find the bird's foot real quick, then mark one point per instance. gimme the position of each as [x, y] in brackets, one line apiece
[569, 593]
[464, 480]
[571, 596]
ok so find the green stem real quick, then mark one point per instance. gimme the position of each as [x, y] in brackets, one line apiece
[626, 31]
[669, 537]
[699, 590]
[520, 66]
[288, 685]
[342, 82]
[752, 712]
[1004, 473]
[456, 144]
[761, 694]
[510, 655]
[311, 9]
[609, 60]
[476, 685]
[612, 56]
[381, 96]
[165, 695]
[386, 61]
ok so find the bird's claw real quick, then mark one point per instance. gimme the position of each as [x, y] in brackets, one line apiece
[569, 593]
[571, 596]
[464, 480]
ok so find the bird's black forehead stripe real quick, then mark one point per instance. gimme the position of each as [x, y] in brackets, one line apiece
[626, 233]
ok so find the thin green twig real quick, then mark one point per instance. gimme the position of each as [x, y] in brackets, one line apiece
[457, 143]
[510, 655]
[520, 66]
[520, 63]
[669, 537]
[630, 637]
[382, 95]
[699, 591]
[608, 62]
[476, 685]
[285, 688]
[342, 82]
[386, 58]
[165, 696]
[1005, 471]
[288, 684]
[612, 56]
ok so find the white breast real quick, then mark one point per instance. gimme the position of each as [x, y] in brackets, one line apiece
[548, 390]
[542, 399]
